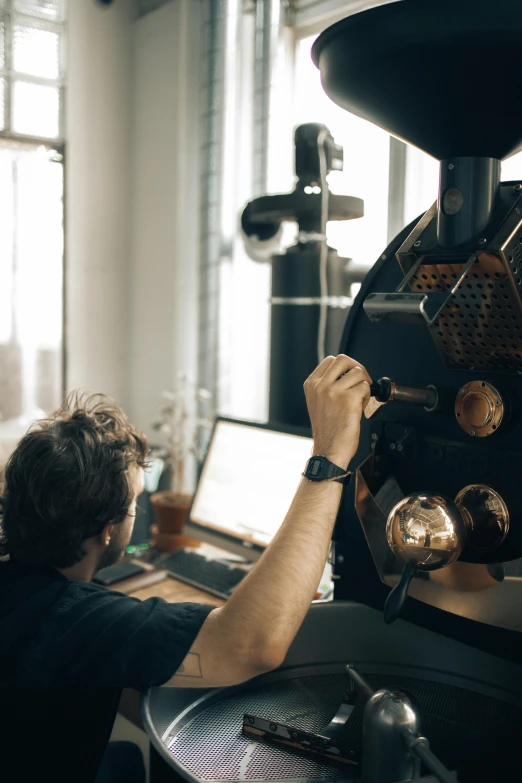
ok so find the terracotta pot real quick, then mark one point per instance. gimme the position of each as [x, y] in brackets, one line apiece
[169, 542]
[170, 511]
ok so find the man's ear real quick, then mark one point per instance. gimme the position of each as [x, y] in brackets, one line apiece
[105, 535]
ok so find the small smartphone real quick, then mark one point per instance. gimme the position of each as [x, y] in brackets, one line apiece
[117, 572]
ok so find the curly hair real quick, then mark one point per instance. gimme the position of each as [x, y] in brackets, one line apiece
[67, 479]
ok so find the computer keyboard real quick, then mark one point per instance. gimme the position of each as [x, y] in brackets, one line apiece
[210, 575]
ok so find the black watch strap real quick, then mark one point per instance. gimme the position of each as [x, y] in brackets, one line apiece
[319, 468]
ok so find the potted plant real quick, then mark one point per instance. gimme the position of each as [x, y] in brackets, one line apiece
[184, 422]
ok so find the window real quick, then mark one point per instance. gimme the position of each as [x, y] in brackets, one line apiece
[512, 168]
[31, 68]
[31, 213]
[366, 163]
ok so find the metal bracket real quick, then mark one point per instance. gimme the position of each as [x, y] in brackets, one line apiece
[411, 308]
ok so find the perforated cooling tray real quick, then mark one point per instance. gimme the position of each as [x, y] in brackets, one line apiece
[208, 743]
[481, 328]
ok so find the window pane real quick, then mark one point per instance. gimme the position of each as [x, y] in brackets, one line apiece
[36, 110]
[366, 162]
[6, 247]
[31, 285]
[36, 52]
[2, 43]
[512, 168]
[2, 104]
[421, 185]
[45, 9]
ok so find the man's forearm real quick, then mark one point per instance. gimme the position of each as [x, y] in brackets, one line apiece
[253, 631]
[268, 607]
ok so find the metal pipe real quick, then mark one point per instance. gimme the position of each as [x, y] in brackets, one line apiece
[468, 189]
[213, 33]
[359, 681]
[427, 397]
[267, 24]
[419, 747]
[386, 390]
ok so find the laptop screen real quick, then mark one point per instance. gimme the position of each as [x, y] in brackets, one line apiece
[248, 481]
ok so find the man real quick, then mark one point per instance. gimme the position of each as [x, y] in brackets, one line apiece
[68, 648]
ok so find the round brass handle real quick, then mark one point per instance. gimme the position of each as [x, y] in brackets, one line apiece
[430, 531]
[426, 530]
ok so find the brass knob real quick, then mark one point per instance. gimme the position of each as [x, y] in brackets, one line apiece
[428, 531]
[479, 408]
[488, 514]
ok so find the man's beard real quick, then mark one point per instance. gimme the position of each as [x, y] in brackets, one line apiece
[115, 549]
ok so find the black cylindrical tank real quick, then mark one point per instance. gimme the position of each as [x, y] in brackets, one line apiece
[295, 313]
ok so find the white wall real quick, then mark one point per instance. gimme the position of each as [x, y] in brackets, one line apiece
[133, 119]
[98, 136]
[164, 210]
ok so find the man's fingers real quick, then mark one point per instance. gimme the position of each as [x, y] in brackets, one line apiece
[365, 372]
[321, 369]
[341, 365]
[361, 391]
[341, 368]
[357, 375]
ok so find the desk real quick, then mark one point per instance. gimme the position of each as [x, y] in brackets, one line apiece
[176, 592]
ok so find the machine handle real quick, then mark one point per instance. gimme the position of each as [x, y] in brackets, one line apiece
[381, 389]
[397, 597]
[359, 681]
[420, 747]
[386, 390]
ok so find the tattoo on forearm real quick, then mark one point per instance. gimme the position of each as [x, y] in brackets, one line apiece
[191, 666]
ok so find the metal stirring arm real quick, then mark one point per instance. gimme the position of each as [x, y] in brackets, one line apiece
[393, 747]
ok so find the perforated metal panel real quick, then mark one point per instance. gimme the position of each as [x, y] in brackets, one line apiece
[456, 720]
[213, 747]
[481, 327]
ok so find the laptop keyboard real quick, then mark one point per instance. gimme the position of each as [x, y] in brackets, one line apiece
[209, 575]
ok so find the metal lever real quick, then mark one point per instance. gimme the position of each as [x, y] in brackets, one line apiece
[420, 748]
[385, 390]
[397, 597]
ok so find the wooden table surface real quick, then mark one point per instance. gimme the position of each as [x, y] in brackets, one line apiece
[176, 592]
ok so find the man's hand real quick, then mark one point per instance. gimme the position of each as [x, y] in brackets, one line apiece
[337, 393]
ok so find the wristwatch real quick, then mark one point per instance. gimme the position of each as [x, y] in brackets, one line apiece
[321, 469]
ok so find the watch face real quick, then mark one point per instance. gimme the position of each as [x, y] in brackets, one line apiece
[315, 467]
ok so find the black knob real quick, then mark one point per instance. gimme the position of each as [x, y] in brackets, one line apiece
[381, 390]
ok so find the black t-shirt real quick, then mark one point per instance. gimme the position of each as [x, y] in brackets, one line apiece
[66, 651]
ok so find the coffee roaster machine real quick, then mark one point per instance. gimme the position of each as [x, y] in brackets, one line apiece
[414, 671]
